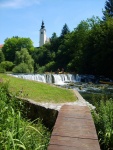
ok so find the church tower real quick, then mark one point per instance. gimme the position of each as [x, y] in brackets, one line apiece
[42, 35]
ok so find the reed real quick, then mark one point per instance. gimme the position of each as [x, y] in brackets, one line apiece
[17, 133]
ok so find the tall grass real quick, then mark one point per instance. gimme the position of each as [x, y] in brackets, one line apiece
[17, 133]
[103, 118]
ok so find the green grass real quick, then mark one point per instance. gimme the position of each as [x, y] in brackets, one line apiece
[16, 132]
[39, 92]
[103, 117]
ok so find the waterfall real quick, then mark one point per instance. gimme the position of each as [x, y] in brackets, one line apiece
[58, 79]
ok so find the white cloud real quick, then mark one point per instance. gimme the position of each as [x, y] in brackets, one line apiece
[18, 3]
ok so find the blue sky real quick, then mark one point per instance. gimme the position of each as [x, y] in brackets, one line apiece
[23, 17]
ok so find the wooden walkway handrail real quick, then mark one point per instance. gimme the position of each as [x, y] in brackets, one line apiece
[74, 130]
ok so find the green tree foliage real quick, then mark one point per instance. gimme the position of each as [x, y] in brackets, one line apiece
[54, 42]
[98, 51]
[50, 66]
[23, 61]
[63, 54]
[41, 56]
[65, 30]
[2, 58]
[76, 42]
[11, 45]
[21, 68]
[89, 49]
[108, 9]
[7, 65]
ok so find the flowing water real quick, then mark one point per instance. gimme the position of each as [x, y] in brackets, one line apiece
[58, 79]
[81, 83]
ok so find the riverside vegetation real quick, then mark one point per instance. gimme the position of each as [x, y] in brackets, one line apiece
[103, 118]
[88, 49]
[16, 132]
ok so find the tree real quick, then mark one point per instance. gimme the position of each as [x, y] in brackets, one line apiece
[21, 68]
[77, 40]
[15, 44]
[64, 31]
[23, 57]
[2, 58]
[108, 9]
[41, 55]
[98, 49]
[63, 53]
[54, 36]
[7, 65]
[54, 41]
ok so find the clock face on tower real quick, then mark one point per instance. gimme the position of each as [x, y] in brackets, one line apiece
[41, 32]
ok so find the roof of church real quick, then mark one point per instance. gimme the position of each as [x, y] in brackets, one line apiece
[1, 45]
[42, 26]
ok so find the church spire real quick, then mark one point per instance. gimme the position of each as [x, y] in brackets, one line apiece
[42, 26]
[42, 34]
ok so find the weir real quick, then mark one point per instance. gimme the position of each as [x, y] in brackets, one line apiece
[58, 79]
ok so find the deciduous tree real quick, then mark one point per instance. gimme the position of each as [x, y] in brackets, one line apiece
[15, 44]
[23, 57]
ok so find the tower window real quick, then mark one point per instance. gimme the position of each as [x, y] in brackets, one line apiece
[41, 32]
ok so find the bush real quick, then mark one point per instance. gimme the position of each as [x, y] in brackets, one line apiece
[41, 69]
[2, 57]
[50, 66]
[7, 65]
[103, 118]
[21, 68]
[2, 70]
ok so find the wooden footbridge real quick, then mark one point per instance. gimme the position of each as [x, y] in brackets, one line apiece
[74, 130]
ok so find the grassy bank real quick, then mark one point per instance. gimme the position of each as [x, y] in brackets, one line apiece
[39, 92]
[16, 132]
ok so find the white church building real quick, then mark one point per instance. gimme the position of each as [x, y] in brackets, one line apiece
[43, 38]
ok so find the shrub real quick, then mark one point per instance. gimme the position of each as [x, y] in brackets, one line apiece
[21, 68]
[103, 118]
[2, 57]
[7, 65]
[50, 66]
[2, 70]
[42, 69]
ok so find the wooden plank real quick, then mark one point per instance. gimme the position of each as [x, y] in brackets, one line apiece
[60, 147]
[75, 107]
[74, 129]
[77, 143]
[75, 112]
[70, 132]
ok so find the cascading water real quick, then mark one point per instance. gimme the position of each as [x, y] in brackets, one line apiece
[58, 79]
